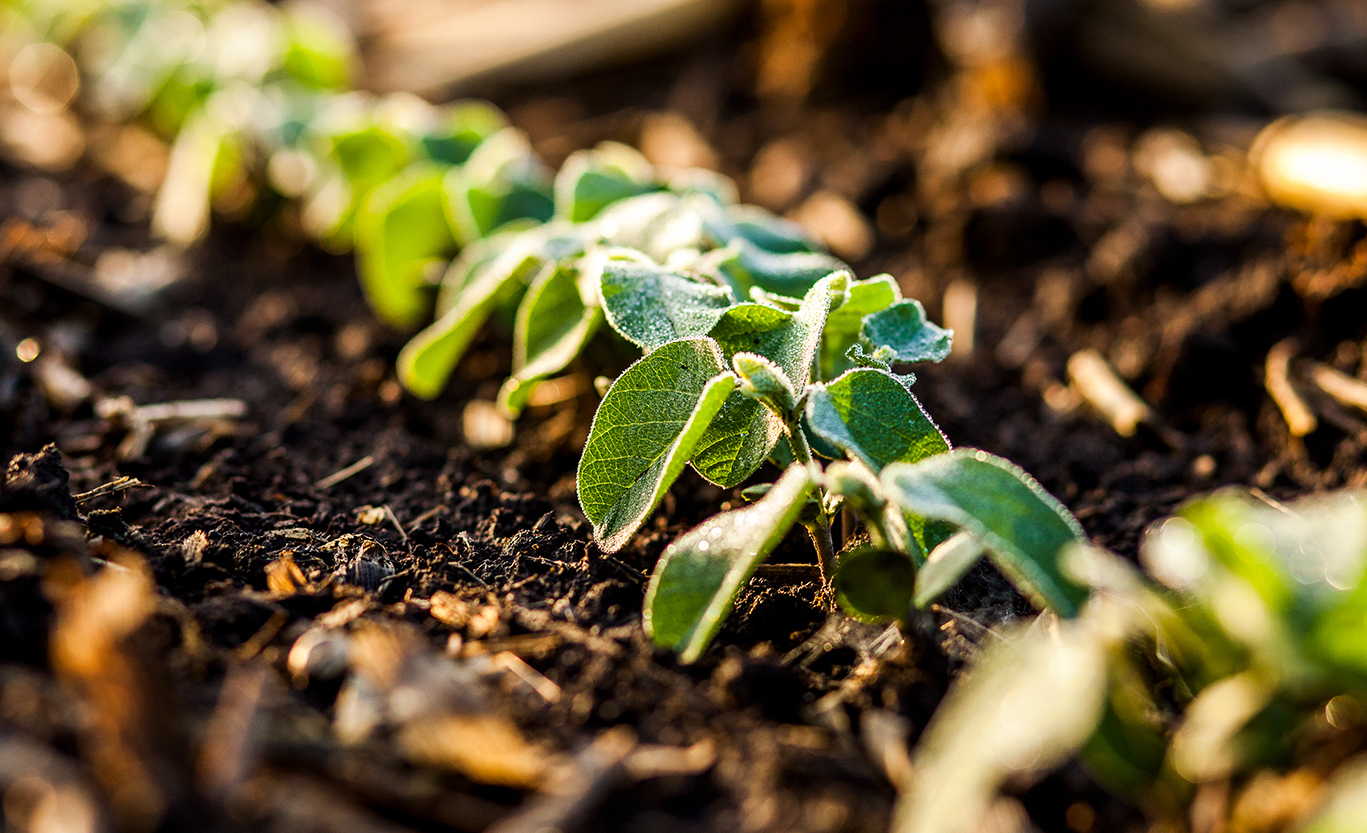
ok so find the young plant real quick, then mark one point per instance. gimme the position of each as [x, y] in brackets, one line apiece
[1247, 651]
[757, 345]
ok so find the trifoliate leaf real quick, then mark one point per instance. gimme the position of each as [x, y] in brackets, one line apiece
[903, 329]
[873, 418]
[591, 180]
[426, 362]
[698, 577]
[1023, 527]
[945, 565]
[400, 232]
[644, 432]
[556, 318]
[650, 305]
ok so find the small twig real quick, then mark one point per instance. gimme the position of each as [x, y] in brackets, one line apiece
[1340, 387]
[393, 519]
[1277, 379]
[1097, 383]
[350, 471]
[117, 485]
[426, 516]
[1273, 502]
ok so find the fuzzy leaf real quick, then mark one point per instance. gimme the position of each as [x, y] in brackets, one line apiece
[426, 362]
[554, 322]
[745, 432]
[644, 432]
[873, 418]
[369, 156]
[843, 326]
[1024, 528]
[903, 329]
[945, 565]
[591, 180]
[697, 578]
[765, 382]
[399, 233]
[650, 305]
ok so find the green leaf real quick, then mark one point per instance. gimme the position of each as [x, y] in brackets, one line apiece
[766, 383]
[1025, 529]
[745, 432]
[369, 156]
[645, 429]
[875, 584]
[903, 329]
[843, 326]
[501, 182]
[591, 180]
[945, 565]
[873, 418]
[557, 317]
[746, 265]
[699, 575]
[859, 488]
[321, 53]
[768, 231]
[466, 125]
[1030, 703]
[650, 305]
[400, 232]
[426, 362]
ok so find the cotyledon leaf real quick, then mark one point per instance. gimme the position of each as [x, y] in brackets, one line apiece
[904, 330]
[400, 231]
[426, 362]
[745, 431]
[697, 578]
[555, 320]
[1023, 527]
[872, 417]
[650, 305]
[644, 432]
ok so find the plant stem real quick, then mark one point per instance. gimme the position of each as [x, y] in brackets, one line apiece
[820, 530]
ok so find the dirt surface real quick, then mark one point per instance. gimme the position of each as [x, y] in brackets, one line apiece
[150, 637]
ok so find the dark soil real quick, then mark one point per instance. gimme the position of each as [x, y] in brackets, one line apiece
[192, 715]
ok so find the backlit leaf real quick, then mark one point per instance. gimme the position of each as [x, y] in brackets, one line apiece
[426, 362]
[400, 232]
[650, 305]
[871, 416]
[875, 584]
[554, 321]
[644, 432]
[591, 180]
[843, 325]
[697, 578]
[903, 329]
[1026, 530]
[502, 181]
[945, 565]
[746, 265]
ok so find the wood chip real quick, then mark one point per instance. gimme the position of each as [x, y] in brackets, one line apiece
[1095, 381]
[1300, 420]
